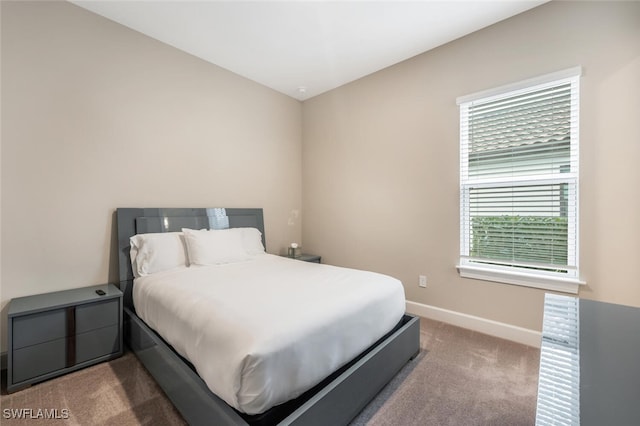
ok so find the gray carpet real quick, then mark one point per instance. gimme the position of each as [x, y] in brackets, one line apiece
[460, 378]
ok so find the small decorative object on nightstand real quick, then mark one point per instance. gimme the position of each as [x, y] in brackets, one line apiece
[56, 333]
[293, 250]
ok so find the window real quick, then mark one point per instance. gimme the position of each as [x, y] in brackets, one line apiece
[519, 183]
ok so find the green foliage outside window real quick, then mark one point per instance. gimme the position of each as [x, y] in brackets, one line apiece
[537, 239]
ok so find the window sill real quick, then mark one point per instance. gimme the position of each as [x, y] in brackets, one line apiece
[565, 285]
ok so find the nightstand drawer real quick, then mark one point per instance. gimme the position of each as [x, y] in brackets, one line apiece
[97, 343]
[39, 328]
[97, 315]
[37, 360]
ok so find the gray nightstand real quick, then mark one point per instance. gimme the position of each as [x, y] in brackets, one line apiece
[56, 333]
[307, 258]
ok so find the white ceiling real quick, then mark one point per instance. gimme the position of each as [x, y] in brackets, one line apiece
[315, 45]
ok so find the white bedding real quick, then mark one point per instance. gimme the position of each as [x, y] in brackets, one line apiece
[262, 332]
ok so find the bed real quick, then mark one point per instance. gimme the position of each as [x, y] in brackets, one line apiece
[332, 392]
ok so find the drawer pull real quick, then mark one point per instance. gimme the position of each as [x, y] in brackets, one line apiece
[71, 336]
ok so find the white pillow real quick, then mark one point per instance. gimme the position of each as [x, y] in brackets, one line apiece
[157, 252]
[215, 246]
[252, 241]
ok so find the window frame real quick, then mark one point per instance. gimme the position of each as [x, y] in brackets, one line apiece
[468, 268]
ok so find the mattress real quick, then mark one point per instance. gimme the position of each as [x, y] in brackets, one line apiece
[263, 331]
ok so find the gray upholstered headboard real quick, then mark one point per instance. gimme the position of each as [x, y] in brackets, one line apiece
[132, 221]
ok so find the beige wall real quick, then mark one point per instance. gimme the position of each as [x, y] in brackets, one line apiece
[96, 116]
[380, 158]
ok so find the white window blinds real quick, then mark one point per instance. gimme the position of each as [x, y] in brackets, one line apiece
[559, 379]
[519, 180]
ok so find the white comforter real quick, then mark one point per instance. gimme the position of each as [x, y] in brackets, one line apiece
[262, 332]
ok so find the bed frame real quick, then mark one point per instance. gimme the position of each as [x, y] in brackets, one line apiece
[335, 401]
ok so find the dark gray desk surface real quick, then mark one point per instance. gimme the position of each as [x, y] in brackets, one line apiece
[608, 361]
[609, 364]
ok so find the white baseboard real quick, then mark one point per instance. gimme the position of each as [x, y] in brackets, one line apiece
[481, 325]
